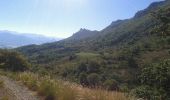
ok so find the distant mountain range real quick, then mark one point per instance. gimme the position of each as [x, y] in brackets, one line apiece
[10, 39]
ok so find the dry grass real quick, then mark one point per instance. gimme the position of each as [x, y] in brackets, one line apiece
[52, 89]
[3, 92]
[5, 98]
[100, 94]
[29, 79]
[1, 84]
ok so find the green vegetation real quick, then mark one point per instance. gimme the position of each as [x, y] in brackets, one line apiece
[52, 89]
[111, 84]
[154, 81]
[13, 61]
[87, 55]
[128, 56]
[29, 80]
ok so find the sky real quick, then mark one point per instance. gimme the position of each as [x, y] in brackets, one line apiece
[62, 18]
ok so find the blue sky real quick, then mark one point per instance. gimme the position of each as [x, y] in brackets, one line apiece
[61, 18]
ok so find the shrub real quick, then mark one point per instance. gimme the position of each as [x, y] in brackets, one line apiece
[155, 80]
[13, 61]
[48, 89]
[52, 89]
[30, 80]
[132, 62]
[93, 67]
[93, 79]
[82, 67]
[149, 93]
[124, 88]
[83, 79]
[111, 84]
[157, 75]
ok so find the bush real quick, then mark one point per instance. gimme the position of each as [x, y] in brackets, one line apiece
[52, 89]
[83, 79]
[93, 79]
[132, 62]
[93, 67]
[111, 84]
[149, 93]
[156, 75]
[82, 67]
[48, 89]
[30, 80]
[155, 80]
[124, 88]
[13, 61]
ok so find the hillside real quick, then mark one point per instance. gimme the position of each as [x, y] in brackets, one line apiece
[82, 34]
[119, 34]
[115, 57]
[9, 39]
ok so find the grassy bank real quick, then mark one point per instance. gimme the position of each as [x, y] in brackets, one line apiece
[51, 89]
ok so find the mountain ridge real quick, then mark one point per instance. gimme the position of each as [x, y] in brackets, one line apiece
[113, 35]
[83, 34]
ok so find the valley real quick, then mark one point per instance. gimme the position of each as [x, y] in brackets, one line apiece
[10, 39]
[128, 59]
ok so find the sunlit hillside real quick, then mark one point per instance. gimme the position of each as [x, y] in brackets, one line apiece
[126, 60]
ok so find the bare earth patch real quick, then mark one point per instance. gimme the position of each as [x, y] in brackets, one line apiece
[5, 94]
[16, 90]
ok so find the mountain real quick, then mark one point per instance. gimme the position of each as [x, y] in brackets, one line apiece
[152, 6]
[14, 39]
[118, 35]
[114, 55]
[83, 34]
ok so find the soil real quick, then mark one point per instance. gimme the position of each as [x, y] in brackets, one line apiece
[16, 91]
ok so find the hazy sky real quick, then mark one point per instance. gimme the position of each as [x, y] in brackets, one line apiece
[61, 18]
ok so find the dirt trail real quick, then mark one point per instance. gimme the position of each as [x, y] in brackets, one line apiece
[19, 91]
